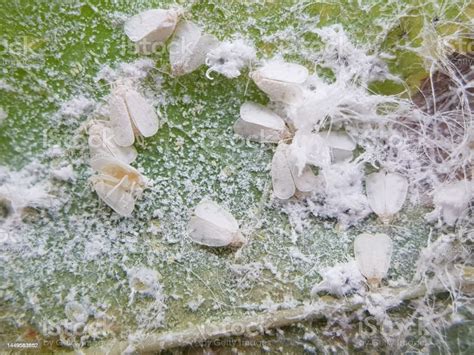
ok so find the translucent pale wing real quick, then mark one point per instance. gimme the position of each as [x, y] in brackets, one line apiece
[101, 142]
[189, 47]
[279, 91]
[284, 72]
[113, 167]
[305, 181]
[120, 122]
[373, 254]
[203, 232]
[116, 198]
[338, 140]
[309, 148]
[282, 178]
[386, 193]
[341, 144]
[254, 113]
[205, 44]
[156, 25]
[142, 113]
[259, 124]
[215, 214]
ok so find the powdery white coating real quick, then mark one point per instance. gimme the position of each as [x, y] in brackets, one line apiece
[189, 48]
[18, 195]
[386, 193]
[214, 226]
[286, 177]
[102, 143]
[230, 57]
[152, 26]
[143, 280]
[451, 200]
[260, 124]
[339, 194]
[340, 280]
[133, 71]
[130, 115]
[373, 253]
[281, 81]
[3, 115]
[66, 173]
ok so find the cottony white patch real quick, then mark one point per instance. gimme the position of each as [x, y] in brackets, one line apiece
[65, 173]
[451, 200]
[229, 58]
[281, 81]
[214, 226]
[189, 48]
[260, 124]
[130, 115]
[373, 253]
[386, 193]
[151, 27]
[340, 279]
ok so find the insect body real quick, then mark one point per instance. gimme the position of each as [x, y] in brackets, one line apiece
[386, 193]
[101, 143]
[286, 178]
[189, 47]
[131, 115]
[373, 253]
[117, 184]
[281, 81]
[152, 26]
[214, 226]
[260, 124]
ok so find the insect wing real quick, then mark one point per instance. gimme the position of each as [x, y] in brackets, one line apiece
[115, 197]
[282, 178]
[156, 25]
[120, 121]
[142, 113]
[373, 254]
[206, 233]
[386, 193]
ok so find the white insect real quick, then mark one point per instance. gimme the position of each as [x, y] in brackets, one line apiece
[117, 184]
[76, 312]
[341, 144]
[214, 226]
[189, 47]
[386, 193]
[152, 26]
[286, 179]
[130, 115]
[309, 148]
[373, 253]
[281, 81]
[451, 200]
[101, 143]
[260, 124]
